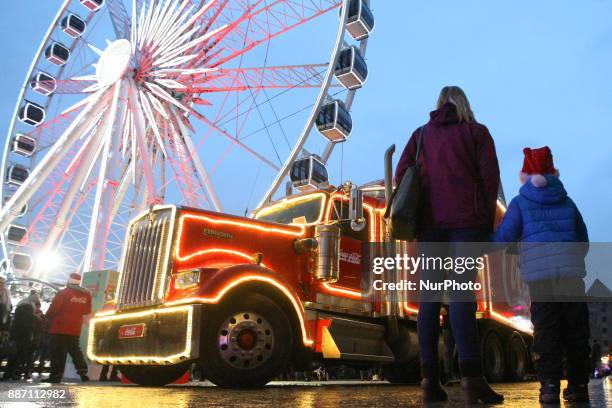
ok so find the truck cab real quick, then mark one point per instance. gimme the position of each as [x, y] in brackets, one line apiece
[250, 298]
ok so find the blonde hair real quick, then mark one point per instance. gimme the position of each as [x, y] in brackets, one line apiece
[456, 96]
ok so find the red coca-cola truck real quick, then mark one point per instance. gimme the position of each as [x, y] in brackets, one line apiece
[249, 298]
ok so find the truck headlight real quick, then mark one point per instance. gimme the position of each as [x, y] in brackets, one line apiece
[185, 279]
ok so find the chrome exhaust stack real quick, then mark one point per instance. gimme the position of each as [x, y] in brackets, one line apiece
[389, 173]
[390, 299]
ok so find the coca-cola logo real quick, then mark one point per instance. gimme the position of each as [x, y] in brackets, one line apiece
[350, 257]
[132, 331]
[78, 300]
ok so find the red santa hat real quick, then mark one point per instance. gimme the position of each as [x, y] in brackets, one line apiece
[74, 279]
[538, 161]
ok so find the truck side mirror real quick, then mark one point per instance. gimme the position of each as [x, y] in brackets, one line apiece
[358, 222]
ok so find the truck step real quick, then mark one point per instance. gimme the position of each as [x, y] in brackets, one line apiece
[341, 338]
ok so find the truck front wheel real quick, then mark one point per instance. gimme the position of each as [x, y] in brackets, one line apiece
[154, 376]
[246, 342]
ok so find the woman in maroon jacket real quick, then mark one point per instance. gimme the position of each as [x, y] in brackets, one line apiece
[460, 182]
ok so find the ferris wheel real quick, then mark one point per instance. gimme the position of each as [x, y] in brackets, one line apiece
[129, 104]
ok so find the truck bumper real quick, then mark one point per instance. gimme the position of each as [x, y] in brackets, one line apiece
[159, 336]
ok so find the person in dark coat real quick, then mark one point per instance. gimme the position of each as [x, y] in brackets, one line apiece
[460, 182]
[38, 338]
[66, 314]
[22, 334]
[5, 307]
[554, 242]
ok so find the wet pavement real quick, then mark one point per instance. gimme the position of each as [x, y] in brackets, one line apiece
[278, 394]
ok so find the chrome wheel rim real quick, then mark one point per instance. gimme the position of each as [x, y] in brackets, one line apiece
[245, 340]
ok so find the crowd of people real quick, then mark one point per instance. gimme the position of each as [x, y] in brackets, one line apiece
[24, 337]
[33, 336]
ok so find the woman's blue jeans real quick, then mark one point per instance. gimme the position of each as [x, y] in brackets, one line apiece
[462, 305]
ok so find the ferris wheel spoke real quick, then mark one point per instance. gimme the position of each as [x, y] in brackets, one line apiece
[260, 78]
[106, 184]
[120, 18]
[124, 184]
[267, 23]
[55, 154]
[73, 241]
[181, 175]
[76, 173]
[140, 147]
[179, 164]
[229, 112]
[225, 117]
[234, 140]
[212, 16]
[53, 128]
[203, 177]
[71, 86]
[76, 187]
[165, 52]
[234, 15]
[246, 12]
[146, 108]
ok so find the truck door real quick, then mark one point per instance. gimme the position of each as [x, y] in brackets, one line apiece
[349, 283]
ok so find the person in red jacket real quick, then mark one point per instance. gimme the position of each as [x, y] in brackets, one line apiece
[66, 320]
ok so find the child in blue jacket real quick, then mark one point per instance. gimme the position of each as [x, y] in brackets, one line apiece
[553, 240]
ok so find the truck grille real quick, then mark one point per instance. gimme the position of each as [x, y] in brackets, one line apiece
[146, 259]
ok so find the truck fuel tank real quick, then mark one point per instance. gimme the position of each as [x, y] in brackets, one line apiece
[328, 254]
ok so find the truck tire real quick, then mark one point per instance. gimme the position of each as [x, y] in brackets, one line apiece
[493, 356]
[246, 342]
[517, 358]
[154, 376]
[403, 373]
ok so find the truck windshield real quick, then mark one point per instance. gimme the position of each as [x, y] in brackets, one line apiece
[300, 210]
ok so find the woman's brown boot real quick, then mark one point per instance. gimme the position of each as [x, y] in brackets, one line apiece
[431, 389]
[477, 390]
[475, 386]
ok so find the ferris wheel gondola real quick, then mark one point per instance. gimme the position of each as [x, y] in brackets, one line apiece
[23, 145]
[57, 53]
[334, 121]
[43, 84]
[20, 263]
[32, 114]
[73, 25]
[93, 5]
[360, 19]
[351, 69]
[308, 173]
[163, 110]
[15, 233]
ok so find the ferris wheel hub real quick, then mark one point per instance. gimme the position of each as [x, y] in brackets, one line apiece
[114, 62]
